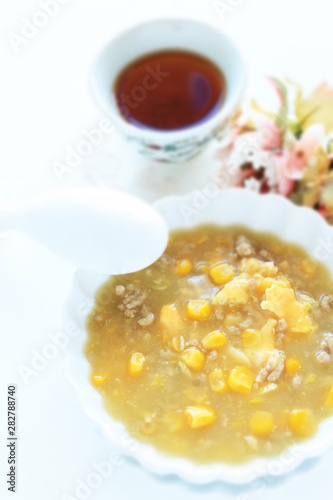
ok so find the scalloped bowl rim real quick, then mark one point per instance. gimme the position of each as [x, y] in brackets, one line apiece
[80, 301]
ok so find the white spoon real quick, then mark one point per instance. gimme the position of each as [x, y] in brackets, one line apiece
[98, 229]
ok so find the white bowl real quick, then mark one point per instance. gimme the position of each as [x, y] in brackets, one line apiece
[270, 213]
[161, 34]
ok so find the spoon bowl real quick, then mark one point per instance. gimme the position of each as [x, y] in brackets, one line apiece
[97, 229]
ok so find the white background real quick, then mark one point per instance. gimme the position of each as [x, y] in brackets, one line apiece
[45, 105]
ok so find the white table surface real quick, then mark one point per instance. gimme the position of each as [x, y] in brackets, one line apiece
[45, 105]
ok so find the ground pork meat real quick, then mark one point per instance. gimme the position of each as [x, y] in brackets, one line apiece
[243, 247]
[181, 343]
[265, 254]
[192, 343]
[189, 247]
[297, 380]
[246, 323]
[280, 329]
[323, 357]
[100, 318]
[325, 354]
[326, 302]
[281, 325]
[132, 300]
[212, 356]
[166, 261]
[233, 330]
[120, 290]
[146, 320]
[273, 369]
[219, 314]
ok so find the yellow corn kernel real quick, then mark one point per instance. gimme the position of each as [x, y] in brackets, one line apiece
[241, 379]
[170, 319]
[183, 267]
[193, 358]
[199, 416]
[198, 309]
[292, 365]
[98, 380]
[218, 381]
[311, 378]
[214, 340]
[261, 423]
[329, 399]
[251, 338]
[136, 364]
[222, 273]
[302, 422]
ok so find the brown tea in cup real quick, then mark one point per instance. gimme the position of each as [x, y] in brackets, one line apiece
[169, 90]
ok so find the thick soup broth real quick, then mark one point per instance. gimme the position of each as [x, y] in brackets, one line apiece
[219, 351]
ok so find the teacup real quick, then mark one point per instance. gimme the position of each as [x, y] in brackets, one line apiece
[163, 34]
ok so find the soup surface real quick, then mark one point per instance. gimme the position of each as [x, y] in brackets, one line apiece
[170, 90]
[221, 350]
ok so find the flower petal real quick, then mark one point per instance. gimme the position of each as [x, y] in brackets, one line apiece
[285, 185]
[268, 131]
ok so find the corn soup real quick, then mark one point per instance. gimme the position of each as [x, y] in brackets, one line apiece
[221, 350]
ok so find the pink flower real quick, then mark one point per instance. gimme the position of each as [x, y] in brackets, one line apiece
[284, 183]
[270, 134]
[303, 152]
